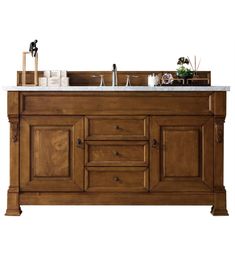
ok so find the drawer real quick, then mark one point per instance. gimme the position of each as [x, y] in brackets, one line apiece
[116, 153]
[116, 128]
[121, 179]
[116, 103]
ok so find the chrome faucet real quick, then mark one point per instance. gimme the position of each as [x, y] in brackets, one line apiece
[114, 76]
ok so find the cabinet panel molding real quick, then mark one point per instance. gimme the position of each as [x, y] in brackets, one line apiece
[50, 159]
[111, 103]
[119, 179]
[116, 127]
[116, 153]
[185, 160]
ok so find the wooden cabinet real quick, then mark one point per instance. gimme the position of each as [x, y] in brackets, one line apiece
[150, 148]
[51, 159]
[181, 153]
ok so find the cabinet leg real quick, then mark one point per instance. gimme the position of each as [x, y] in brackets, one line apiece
[13, 205]
[219, 207]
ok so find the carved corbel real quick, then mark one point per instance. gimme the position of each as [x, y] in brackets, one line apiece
[219, 129]
[14, 122]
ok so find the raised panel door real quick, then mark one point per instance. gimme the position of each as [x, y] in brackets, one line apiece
[50, 157]
[181, 155]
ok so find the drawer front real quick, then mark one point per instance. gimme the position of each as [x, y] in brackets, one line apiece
[116, 128]
[116, 153]
[116, 103]
[121, 179]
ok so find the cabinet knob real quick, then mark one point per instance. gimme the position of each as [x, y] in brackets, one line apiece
[116, 179]
[117, 127]
[79, 143]
[155, 144]
[116, 153]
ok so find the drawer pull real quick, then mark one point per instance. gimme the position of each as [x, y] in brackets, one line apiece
[116, 179]
[155, 144]
[117, 127]
[116, 153]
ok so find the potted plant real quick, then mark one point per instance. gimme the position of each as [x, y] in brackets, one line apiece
[183, 71]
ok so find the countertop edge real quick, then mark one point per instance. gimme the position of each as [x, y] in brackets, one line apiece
[119, 88]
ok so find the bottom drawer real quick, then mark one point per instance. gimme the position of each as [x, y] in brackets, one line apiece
[121, 179]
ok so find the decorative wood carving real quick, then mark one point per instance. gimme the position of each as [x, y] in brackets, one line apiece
[219, 129]
[14, 121]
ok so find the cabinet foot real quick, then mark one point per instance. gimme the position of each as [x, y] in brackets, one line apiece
[219, 212]
[13, 205]
[13, 212]
[219, 207]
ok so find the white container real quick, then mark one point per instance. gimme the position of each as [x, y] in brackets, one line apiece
[64, 81]
[63, 73]
[47, 73]
[153, 80]
[43, 81]
[54, 82]
[55, 73]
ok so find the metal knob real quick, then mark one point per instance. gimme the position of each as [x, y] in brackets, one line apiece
[116, 179]
[79, 143]
[155, 144]
[116, 153]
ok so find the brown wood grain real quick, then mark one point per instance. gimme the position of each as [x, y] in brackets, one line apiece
[116, 128]
[120, 103]
[183, 159]
[13, 204]
[119, 179]
[50, 159]
[148, 148]
[117, 198]
[113, 153]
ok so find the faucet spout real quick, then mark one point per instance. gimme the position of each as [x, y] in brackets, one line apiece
[114, 76]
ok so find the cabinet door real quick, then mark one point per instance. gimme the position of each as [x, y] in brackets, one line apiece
[181, 155]
[52, 153]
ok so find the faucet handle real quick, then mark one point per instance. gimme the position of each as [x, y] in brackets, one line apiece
[102, 80]
[128, 80]
[102, 83]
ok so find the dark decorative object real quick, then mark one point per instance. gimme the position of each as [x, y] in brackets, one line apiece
[183, 71]
[33, 48]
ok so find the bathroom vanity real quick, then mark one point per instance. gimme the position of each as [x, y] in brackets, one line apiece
[82, 145]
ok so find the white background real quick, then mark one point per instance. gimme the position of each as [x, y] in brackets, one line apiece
[136, 35]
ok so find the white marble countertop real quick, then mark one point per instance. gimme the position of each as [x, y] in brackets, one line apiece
[118, 88]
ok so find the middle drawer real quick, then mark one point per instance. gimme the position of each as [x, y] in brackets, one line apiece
[116, 153]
